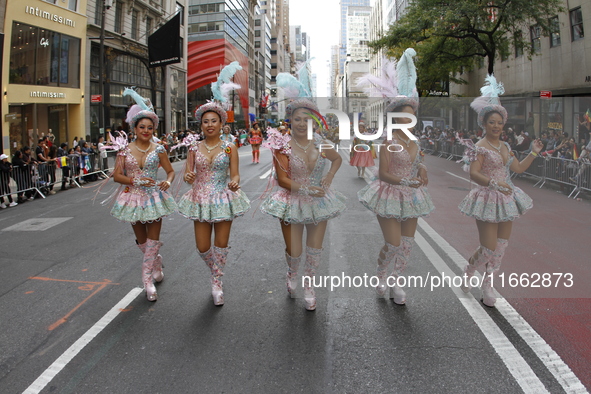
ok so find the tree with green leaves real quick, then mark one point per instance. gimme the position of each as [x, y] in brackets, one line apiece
[450, 36]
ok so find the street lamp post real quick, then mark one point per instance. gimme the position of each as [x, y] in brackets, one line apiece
[106, 5]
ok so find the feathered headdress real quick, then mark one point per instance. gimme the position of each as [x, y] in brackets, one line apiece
[142, 109]
[221, 92]
[303, 73]
[397, 82]
[300, 96]
[489, 100]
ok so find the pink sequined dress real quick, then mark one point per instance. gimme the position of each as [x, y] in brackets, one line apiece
[210, 200]
[398, 201]
[489, 205]
[292, 207]
[362, 157]
[142, 204]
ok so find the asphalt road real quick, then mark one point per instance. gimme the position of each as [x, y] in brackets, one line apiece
[74, 320]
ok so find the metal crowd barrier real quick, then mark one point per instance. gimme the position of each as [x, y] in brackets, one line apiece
[570, 173]
[24, 181]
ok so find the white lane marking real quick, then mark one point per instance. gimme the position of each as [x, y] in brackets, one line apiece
[457, 176]
[561, 371]
[266, 174]
[515, 363]
[37, 224]
[84, 340]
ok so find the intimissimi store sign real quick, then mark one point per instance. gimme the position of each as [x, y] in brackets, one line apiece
[41, 13]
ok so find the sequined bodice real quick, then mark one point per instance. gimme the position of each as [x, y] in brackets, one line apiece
[211, 176]
[300, 173]
[150, 170]
[493, 166]
[401, 164]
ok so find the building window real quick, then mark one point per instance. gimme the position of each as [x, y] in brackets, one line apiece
[149, 23]
[257, 33]
[257, 44]
[73, 5]
[205, 9]
[273, 66]
[554, 32]
[98, 12]
[518, 43]
[576, 24]
[118, 17]
[181, 10]
[536, 40]
[134, 25]
[43, 57]
[257, 22]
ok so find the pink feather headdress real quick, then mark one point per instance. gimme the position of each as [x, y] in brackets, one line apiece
[397, 83]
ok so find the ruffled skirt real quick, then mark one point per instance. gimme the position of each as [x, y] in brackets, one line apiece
[143, 206]
[215, 207]
[493, 206]
[362, 159]
[302, 209]
[396, 201]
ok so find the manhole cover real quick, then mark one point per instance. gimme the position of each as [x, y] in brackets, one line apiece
[36, 224]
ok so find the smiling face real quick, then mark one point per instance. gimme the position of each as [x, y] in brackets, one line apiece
[211, 124]
[406, 109]
[493, 124]
[299, 121]
[144, 129]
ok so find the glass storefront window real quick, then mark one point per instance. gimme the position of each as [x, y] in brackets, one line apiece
[44, 57]
[22, 54]
[70, 62]
[552, 114]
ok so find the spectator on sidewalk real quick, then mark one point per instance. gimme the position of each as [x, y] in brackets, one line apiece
[524, 144]
[25, 162]
[5, 173]
[103, 162]
[41, 152]
[63, 152]
[51, 166]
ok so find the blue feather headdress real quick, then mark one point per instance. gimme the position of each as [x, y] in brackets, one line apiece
[141, 109]
[489, 100]
[300, 95]
[221, 91]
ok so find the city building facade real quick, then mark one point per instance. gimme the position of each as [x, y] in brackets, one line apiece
[43, 60]
[553, 87]
[125, 30]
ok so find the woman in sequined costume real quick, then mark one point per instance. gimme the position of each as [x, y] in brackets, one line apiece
[362, 158]
[495, 202]
[214, 199]
[144, 200]
[255, 139]
[399, 196]
[304, 200]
